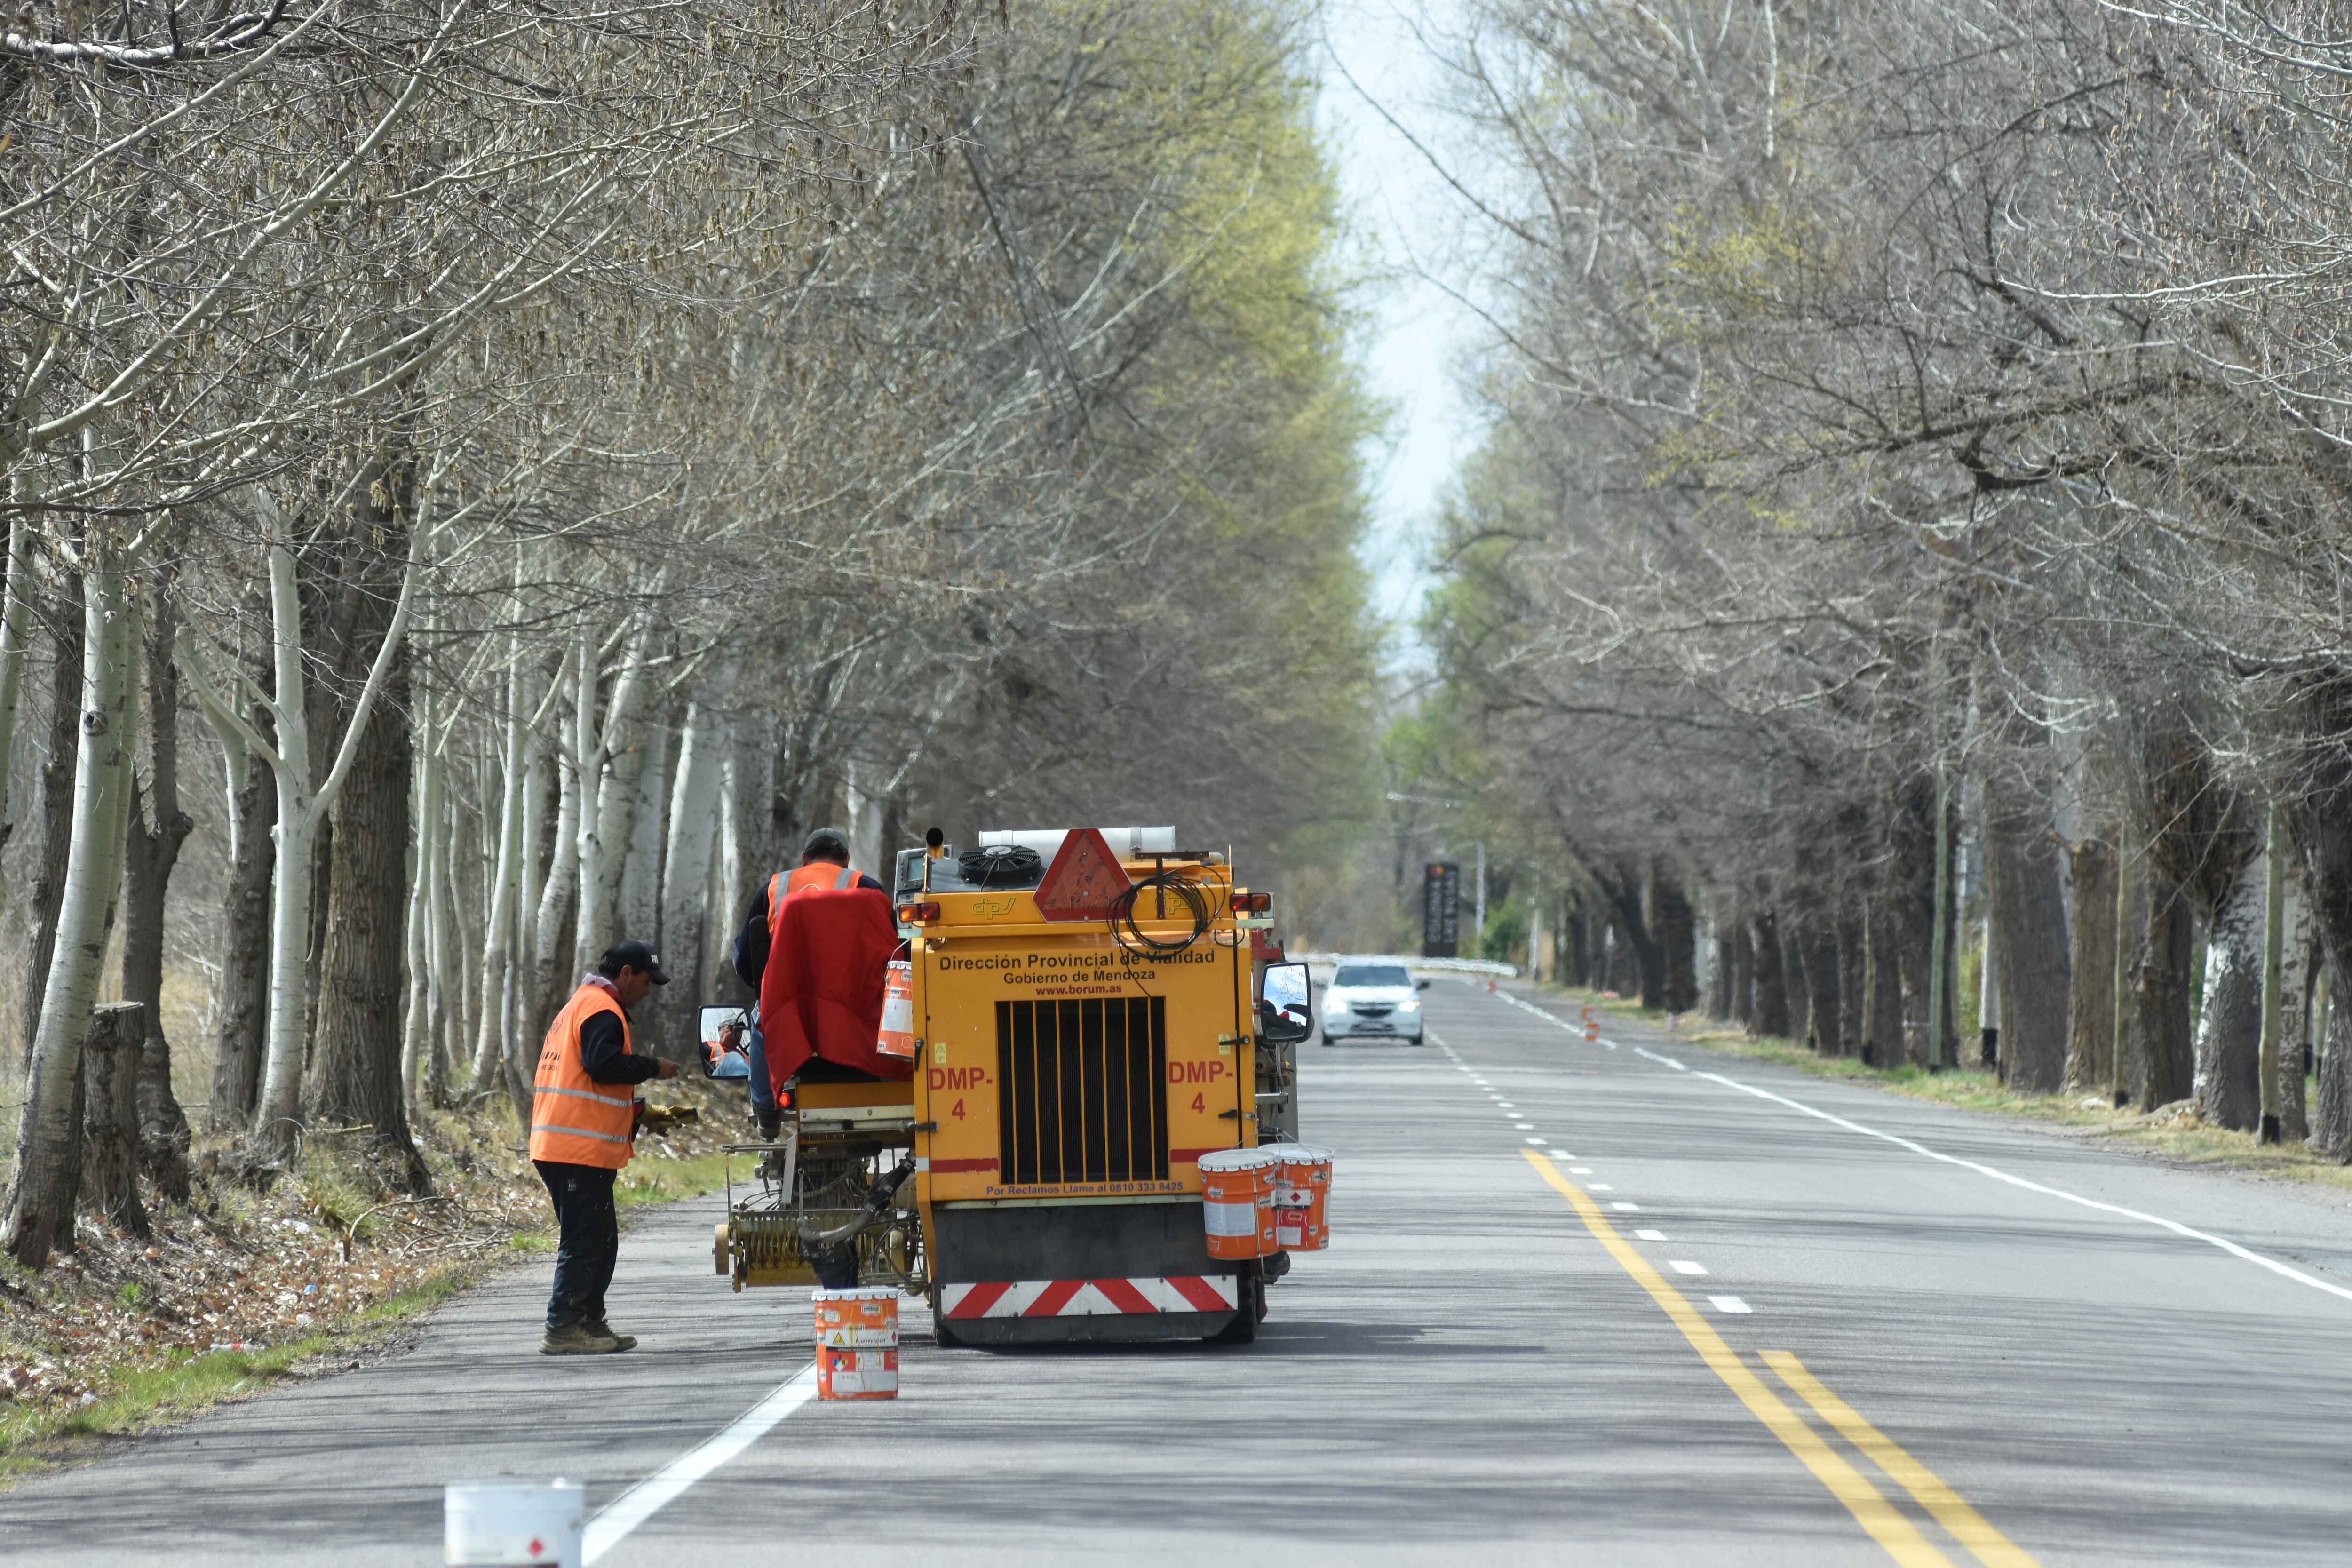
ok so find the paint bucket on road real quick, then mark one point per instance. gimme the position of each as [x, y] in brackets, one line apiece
[857, 1344]
[502, 1524]
[1238, 1189]
[897, 1037]
[1302, 1194]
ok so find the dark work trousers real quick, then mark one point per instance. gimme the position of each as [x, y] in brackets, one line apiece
[588, 1240]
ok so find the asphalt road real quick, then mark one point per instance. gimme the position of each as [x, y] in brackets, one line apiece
[1701, 1325]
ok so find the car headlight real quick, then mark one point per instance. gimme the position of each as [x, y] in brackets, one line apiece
[1409, 1005]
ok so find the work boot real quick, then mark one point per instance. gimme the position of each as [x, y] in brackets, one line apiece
[620, 1342]
[579, 1339]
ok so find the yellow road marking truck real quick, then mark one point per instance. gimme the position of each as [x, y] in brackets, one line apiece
[1088, 1017]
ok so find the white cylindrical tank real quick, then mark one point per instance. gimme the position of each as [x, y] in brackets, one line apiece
[512, 1522]
[1129, 843]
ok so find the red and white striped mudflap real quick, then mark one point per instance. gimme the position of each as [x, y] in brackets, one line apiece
[1090, 1298]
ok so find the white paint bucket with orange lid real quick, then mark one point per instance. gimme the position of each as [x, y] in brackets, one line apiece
[1238, 1189]
[857, 1344]
[1302, 1194]
[898, 1036]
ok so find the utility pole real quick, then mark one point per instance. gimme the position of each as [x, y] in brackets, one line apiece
[1940, 947]
[1478, 906]
[2273, 955]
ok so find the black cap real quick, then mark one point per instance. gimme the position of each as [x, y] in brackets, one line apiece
[827, 844]
[637, 956]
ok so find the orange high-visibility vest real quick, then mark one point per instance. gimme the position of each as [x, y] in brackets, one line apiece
[816, 874]
[574, 1119]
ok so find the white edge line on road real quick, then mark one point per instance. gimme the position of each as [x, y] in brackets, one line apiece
[658, 1492]
[2174, 1226]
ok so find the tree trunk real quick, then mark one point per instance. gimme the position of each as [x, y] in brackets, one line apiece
[686, 877]
[1772, 980]
[1789, 928]
[158, 828]
[1821, 976]
[243, 1008]
[1882, 987]
[57, 794]
[15, 623]
[110, 1157]
[2331, 1126]
[490, 1046]
[49, 1139]
[2029, 947]
[1677, 938]
[2229, 1024]
[1852, 969]
[1743, 973]
[361, 988]
[2163, 1061]
[2090, 999]
[2295, 972]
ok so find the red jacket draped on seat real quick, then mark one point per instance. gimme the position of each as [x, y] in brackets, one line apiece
[829, 953]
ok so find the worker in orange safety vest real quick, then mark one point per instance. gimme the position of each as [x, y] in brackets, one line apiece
[825, 863]
[584, 1116]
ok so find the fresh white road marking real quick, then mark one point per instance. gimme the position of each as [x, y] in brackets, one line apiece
[1621, 1206]
[1561, 1154]
[1537, 1141]
[666, 1485]
[1600, 1186]
[2175, 1226]
[1579, 1170]
[1525, 1126]
[1650, 1235]
[1684, 1266]
[1731, 1304]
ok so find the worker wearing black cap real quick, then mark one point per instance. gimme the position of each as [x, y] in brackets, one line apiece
[582, 1118]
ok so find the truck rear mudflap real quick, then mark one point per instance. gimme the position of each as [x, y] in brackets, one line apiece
[1047, 1273]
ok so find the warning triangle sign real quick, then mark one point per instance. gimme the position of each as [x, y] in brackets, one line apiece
[1083, 880]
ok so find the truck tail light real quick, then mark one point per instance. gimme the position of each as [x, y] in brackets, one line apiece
[917, 915]
[1253, 903]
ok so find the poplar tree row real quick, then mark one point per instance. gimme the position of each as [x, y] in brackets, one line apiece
[492, 478]
[1920, 437]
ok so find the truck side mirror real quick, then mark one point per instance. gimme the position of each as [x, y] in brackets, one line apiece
[722, 1029]
[1286, 1009]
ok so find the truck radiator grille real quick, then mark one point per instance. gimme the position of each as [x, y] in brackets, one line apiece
[1083, 1091]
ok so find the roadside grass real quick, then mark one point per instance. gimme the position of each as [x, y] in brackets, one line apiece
[247, 1287]
[34, 1438]
[2172, 1133]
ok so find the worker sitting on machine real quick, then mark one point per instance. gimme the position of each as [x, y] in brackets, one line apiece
[824, 866]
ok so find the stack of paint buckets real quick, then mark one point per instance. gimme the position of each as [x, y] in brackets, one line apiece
[1302, 1198]
[1258, 1202]
[856, 1344]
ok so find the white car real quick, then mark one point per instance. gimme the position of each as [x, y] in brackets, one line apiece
[1372, 999]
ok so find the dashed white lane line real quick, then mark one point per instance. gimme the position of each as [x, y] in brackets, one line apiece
[1525, 1126]
[1650, 1235]
[1562, 1155]
[666, 1485]
[1684, 1266]
[1731, 1304]
[2186, 1232]
[1599, 1187]
[1579, 1170]
[1537, 1141]
[1621, 1206]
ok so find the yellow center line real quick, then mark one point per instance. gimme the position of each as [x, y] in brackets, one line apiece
[1868, 1505]
[1969, 1527]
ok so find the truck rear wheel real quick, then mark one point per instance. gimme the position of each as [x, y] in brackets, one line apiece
[1251, 1293]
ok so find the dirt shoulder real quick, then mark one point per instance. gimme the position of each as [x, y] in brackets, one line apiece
[257, 1281]
[2173, 1134]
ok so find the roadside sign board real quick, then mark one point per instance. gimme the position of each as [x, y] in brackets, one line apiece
[1441, 910]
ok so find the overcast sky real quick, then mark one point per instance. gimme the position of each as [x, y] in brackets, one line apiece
[1418, 338]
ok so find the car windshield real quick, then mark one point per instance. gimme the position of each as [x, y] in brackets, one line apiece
[1373, 974]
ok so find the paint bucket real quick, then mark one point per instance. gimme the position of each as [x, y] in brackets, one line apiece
[1237, 1201]
[1302, 1196]
[500, 1524]
[857, 1344]
[898, 1036]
